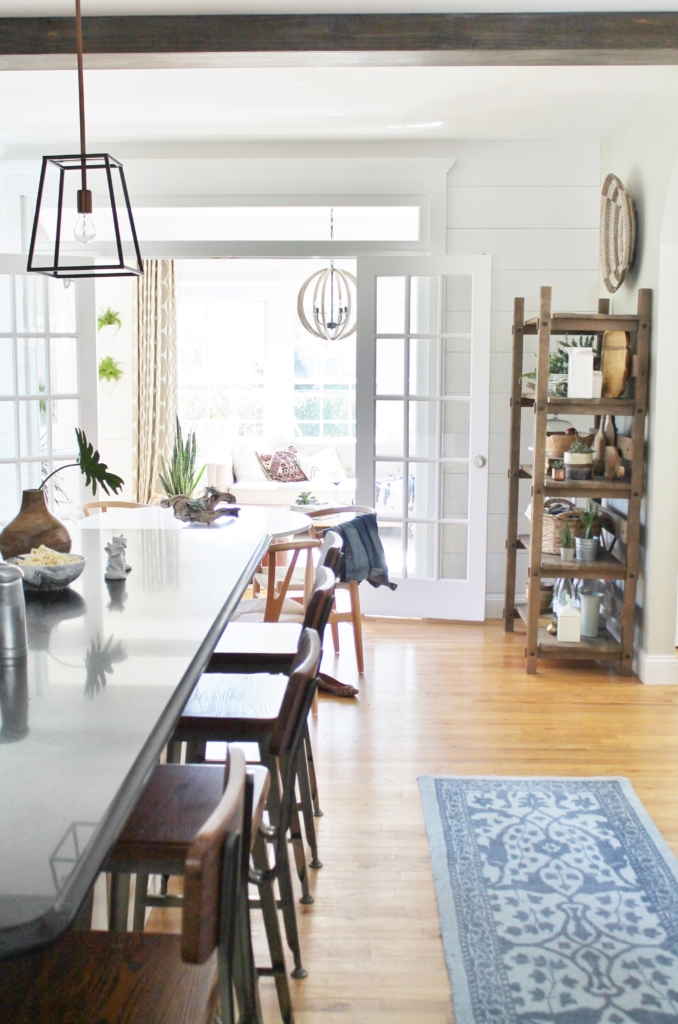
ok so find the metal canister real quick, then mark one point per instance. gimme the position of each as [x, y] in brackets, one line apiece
[12, 612]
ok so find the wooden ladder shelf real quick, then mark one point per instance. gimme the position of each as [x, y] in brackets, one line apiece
[617, 644]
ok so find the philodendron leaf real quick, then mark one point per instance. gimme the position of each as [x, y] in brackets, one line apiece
[95, 471]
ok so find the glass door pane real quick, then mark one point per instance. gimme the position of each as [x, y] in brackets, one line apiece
[39, 387]
[429, 380]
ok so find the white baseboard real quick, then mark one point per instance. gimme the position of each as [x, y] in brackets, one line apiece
[656, 669]
[494, 606]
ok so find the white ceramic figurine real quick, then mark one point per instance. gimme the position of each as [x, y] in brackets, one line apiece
[117, 568]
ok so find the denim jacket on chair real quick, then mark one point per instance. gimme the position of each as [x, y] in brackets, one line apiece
[363, 555]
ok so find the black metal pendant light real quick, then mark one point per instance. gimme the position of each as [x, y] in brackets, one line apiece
[83, 223]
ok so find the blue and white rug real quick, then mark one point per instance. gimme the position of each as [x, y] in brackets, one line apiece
[558, 901]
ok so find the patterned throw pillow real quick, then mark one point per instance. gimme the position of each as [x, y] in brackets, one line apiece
[282, 465]
[324, 465]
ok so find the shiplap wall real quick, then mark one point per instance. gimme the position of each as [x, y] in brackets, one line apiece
[533, 206]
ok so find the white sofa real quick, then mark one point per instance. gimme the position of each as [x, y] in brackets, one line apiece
[240, 473]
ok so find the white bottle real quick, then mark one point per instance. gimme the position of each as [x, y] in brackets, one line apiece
[569, 623]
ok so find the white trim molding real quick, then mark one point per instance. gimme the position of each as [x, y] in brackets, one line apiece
[656, 669]
[494, 606]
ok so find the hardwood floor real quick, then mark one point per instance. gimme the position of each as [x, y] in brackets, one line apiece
[445, 698]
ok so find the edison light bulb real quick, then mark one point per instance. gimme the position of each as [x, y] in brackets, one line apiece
[84, 230]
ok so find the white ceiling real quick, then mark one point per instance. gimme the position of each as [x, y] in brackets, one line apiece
[391, 103]
[18, 8]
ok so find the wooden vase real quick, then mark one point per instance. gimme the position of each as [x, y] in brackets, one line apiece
[33, 526]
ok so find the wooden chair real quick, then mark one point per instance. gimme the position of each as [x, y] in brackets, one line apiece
[87, 506]
[270, 710]
[275, 607]
[353, 616]
[155, 979]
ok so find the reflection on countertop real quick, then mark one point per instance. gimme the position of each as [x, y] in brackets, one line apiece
[99, 661]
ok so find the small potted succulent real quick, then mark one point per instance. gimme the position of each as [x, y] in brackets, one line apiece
[558, 469]
[579, 461]
[108, 324]
[306, 498]
[566, 544]
[587, 546]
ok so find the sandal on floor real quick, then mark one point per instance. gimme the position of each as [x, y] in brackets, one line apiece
[328, 684]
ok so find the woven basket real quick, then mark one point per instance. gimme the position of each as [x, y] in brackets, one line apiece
[553, 525]
[618, 233]
[558, 444]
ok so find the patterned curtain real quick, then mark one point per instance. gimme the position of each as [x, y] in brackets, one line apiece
[155, 375]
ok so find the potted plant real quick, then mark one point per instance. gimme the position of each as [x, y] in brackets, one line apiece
[35, 524]
[557, 375]
[566, 544]
[178, 477]
[108, 324]
[306, 498]
[558, 469]
[579, 461]
[110, 373]
[587, 546]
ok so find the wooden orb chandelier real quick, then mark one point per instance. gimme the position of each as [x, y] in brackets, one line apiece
[327, 310]
[618, 233]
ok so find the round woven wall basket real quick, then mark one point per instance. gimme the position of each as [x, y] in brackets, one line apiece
[618, 232]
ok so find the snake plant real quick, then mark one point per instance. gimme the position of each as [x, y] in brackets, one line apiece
[179, 475]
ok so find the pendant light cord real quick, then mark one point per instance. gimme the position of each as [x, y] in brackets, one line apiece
[81, 90]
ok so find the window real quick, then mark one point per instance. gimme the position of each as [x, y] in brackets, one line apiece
[277, 223]
[247, 367]
[221, 371]
[39, 388]
[324, 386]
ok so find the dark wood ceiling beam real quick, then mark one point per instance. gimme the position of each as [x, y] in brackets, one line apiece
[579, 38]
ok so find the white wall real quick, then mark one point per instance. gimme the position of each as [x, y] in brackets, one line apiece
[642, 151]
[534, 207]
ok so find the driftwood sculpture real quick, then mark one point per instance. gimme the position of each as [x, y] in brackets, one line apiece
[203, 509]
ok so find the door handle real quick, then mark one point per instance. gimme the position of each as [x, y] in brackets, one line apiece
[479, 461]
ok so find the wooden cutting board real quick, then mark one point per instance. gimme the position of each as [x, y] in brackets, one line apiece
[615, 363]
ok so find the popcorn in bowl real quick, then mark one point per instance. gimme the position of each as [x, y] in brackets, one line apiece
[46, 569]
[46, 556]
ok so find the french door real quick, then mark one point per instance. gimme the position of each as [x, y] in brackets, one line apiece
[48, 382]
[423, 381]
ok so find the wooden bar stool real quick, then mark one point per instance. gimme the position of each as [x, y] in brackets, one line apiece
[109, 978]
[314, 618]
[155, 841]
[272, 646]
[270, 710]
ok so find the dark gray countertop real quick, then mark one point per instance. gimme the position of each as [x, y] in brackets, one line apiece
[109, 669]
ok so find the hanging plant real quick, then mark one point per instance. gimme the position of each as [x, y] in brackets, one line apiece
[108, 324]
[109, 318]
[110, 370]
[110, 373]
